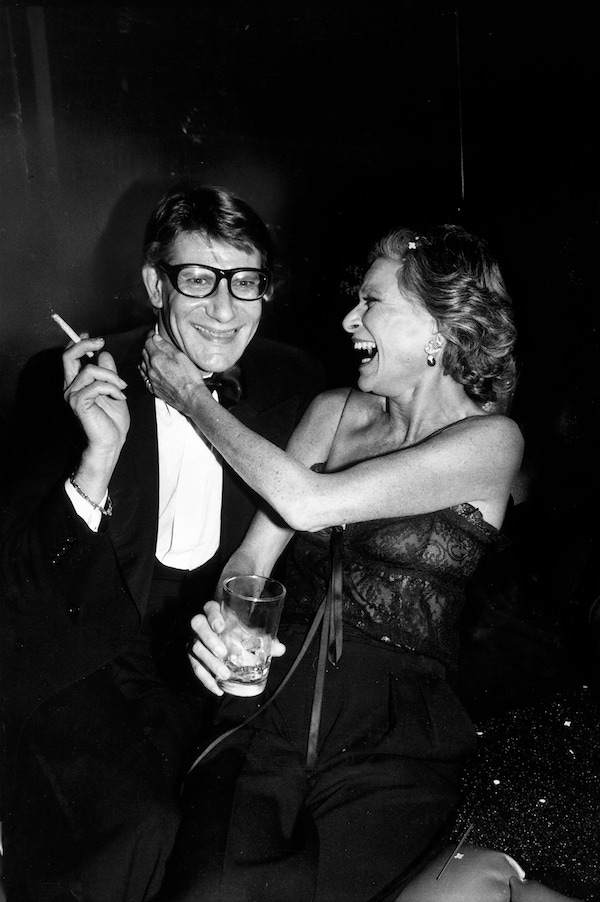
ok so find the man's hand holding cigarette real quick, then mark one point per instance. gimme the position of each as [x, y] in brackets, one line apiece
[95, 393]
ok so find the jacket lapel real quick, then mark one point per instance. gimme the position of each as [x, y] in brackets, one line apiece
[274, 418]
[134, 488]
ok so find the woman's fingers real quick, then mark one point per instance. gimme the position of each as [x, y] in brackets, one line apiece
[156, 347]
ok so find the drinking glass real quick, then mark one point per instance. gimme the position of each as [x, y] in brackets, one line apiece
[251, 607]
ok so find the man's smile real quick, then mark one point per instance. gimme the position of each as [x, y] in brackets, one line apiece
[223, 335]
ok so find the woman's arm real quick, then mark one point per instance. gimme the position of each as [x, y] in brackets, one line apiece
[474, 460]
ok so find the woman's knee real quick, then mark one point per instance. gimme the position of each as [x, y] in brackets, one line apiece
[471, 874]
[476, 874]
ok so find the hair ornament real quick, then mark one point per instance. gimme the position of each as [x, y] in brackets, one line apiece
[412, 245]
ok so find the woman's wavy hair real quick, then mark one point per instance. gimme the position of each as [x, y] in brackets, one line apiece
[454, 275]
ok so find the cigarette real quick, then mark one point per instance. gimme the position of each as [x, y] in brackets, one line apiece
[68, 330]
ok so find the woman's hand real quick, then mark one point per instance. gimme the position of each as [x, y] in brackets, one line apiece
[207, 652]
[95, 394]
[172, 375]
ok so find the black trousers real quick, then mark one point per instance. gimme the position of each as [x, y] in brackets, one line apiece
[392, 742]
[92, 815]
[93, 808]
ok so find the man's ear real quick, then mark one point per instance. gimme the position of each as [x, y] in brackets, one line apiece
[153, 280]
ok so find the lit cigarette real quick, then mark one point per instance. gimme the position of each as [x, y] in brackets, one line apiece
[68, 330]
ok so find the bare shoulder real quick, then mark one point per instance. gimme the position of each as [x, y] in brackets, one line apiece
[498, 429]
[494, 438]
[328, 406]
[493, 445]
[314, 434]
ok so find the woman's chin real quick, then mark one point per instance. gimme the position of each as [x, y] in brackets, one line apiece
[367, 376]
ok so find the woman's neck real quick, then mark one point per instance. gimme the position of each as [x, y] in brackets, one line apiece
[416, 414]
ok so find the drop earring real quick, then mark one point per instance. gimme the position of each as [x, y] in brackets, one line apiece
[433, 345]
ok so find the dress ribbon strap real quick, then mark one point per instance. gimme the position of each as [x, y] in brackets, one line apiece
[330, 645]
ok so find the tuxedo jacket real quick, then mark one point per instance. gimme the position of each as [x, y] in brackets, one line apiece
[74, 599]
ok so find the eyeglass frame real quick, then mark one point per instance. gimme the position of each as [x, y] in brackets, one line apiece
[172, 271]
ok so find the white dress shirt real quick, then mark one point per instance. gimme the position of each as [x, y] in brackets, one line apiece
[190, 489]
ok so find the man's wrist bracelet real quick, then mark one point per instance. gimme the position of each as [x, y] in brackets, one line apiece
[106, 511]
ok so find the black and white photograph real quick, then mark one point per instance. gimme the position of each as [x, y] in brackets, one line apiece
[300, 407]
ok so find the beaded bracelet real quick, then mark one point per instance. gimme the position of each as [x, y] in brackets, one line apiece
[105, 511]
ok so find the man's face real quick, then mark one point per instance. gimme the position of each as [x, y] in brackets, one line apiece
[213, 331]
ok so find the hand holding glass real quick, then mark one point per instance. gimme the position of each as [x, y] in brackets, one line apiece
[251, 608]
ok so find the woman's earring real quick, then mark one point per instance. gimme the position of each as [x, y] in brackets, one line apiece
[433, 345]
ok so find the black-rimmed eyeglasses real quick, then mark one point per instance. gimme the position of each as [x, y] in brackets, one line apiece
[196, 280]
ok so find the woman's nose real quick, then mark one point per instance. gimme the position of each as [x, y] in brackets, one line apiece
[353, 319]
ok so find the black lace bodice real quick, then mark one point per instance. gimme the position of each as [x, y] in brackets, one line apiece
[404, 578]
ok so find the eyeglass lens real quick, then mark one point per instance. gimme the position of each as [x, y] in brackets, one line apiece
[195, 281]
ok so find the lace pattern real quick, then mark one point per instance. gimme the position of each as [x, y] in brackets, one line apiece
[404, 578]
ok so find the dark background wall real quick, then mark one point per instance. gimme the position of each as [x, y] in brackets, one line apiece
[335, 120]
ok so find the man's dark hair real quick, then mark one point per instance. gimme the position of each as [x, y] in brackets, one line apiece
[214, 213]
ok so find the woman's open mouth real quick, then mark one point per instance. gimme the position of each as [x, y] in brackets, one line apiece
[365, 349]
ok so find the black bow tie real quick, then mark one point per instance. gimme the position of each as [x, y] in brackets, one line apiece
[228, 385]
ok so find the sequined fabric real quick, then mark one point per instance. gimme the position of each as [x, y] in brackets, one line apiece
[533, 790]
[403, 578]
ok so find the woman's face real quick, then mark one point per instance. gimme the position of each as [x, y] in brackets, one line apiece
[389, 331]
